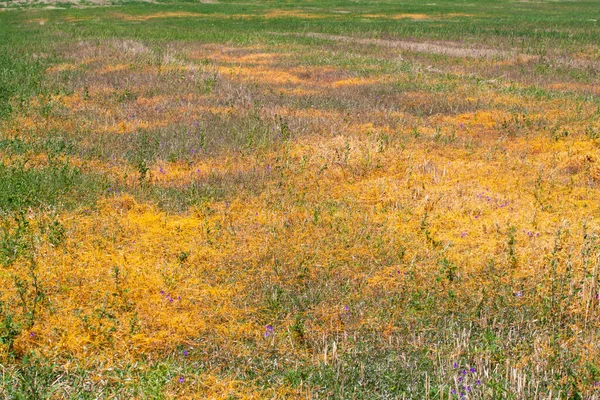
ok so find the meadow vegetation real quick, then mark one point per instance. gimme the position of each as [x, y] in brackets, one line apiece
[309, 199]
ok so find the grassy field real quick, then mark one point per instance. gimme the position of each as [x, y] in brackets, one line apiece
[310, 199]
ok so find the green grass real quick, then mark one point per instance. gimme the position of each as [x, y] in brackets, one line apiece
[58, 185]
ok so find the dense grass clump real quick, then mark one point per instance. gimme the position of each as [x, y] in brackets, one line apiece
[57, 185]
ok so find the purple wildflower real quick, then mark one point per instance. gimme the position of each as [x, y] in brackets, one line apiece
[519, 294]
[269, 330]
[455, 365]
[478, 382]
[463, 234]
[32, 334]
[185, 353]
[473, 370]
[181, 379]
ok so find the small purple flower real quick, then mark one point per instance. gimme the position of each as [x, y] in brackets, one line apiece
[455, 365]
[161, 170]
[346, 308]
[597, 296]
[596, 384]
[268, 167]
[453, 391]
[460, 378]
[478, 382]
[269, 330]
[462, 126]
[519, 294]
[464, 371]
[32, 334]
[185, 353]
[468, 388]
[463, 234]
[473, 370]
[162, 292]
[181, 379]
